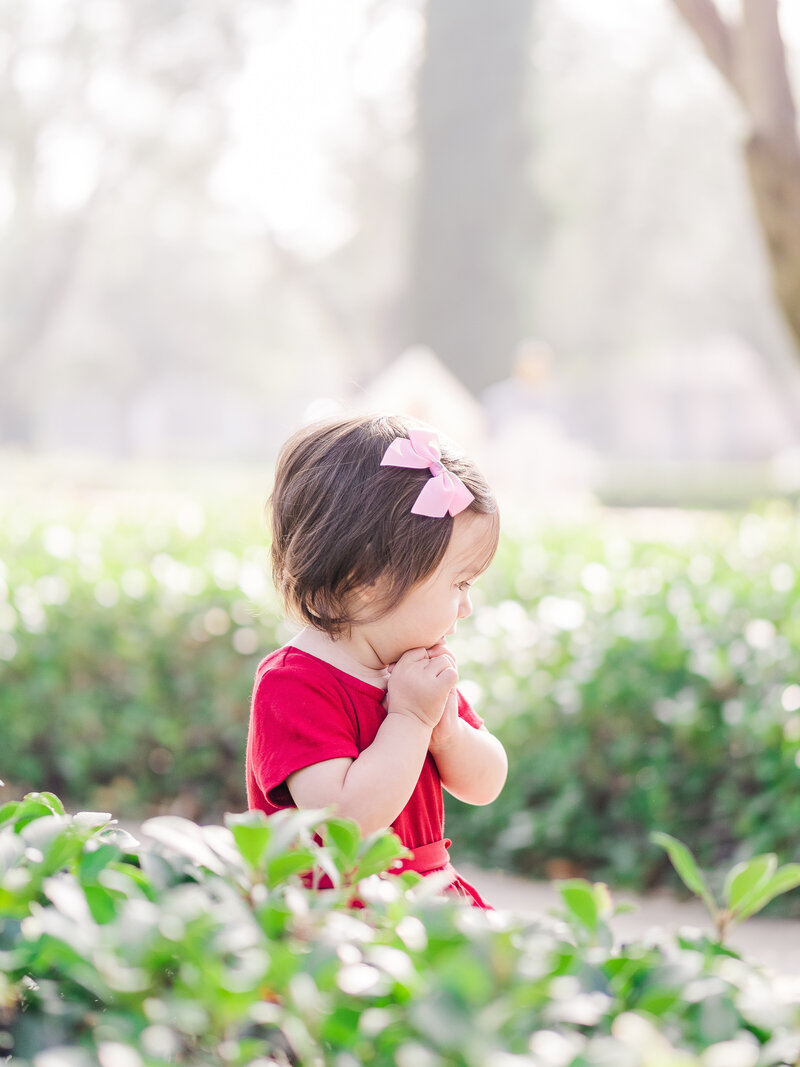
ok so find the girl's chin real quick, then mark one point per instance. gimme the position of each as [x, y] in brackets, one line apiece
[439, 642]
[434, 644]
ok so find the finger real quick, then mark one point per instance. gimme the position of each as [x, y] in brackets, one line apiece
[447, 673]
[413, 655]
[441, 649]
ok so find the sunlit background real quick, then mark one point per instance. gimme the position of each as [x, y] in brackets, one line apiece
[529, 225]
[528, 222]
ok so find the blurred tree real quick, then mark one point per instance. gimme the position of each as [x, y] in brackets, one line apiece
[126, 264]
[751, 57]
[112, 122]
[472, 242]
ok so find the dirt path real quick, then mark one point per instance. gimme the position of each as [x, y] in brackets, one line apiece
[773, 943]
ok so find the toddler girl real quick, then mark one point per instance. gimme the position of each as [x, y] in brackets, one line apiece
[377, 536]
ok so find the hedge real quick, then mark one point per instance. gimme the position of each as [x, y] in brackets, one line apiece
[130, 629]
[644, 684]
[641, 676]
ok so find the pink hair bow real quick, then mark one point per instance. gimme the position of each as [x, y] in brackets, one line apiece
[445, 491]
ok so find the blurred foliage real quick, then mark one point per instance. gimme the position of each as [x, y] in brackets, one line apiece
[128, 645]
[201, 946]
[642, 676]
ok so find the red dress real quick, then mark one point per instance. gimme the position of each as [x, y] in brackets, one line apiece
[305, 711]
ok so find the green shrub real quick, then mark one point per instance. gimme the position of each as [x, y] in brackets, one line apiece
[640, 684]
[643, 676]
[200, 946]
[128, 645]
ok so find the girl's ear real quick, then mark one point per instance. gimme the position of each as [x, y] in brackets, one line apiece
[366, 597]
[367, 594]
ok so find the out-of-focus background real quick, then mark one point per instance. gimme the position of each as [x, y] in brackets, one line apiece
[220, 219]
[564, 232]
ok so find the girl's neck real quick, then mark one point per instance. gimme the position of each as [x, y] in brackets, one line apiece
[344, 653]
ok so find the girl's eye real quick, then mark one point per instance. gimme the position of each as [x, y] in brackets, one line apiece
[464, 585]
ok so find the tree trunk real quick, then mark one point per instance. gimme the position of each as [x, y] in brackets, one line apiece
[469, 277]
[773, 169]
[751, 57]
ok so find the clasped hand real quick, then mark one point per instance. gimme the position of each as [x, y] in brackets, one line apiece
[422, 684]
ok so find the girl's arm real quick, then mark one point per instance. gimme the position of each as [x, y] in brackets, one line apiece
[374, 788]
[472, 763]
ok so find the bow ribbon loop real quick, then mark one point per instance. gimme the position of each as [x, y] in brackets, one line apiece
[445, 492]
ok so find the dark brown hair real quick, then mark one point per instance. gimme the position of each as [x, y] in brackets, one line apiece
[341, 521]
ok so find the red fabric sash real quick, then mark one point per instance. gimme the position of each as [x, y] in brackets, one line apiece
[427, 858]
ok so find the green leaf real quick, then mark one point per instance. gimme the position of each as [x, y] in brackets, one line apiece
[581, 903]
[281, 868]
[135, 875]
[746, 879]
[49, 799]
[252, 841]
[380, 852]
[626, 907]
[658, 1001]
[341, 1025]
[102, 903]
[54, 837]
[686, 866]
[25, 811]
[603, 900]
[63, 850]
[343, 837]
[788, 877]
[93, 862]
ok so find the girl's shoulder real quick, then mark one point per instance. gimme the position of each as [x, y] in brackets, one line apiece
[295, 666]
[291, 662]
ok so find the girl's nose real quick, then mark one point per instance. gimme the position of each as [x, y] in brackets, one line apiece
[464, 606]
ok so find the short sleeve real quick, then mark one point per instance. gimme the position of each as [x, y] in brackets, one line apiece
[467, 714]
[297, 719]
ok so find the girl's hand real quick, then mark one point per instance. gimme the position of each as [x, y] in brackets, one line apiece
[443, 650]
[419, 684]
[446, 730]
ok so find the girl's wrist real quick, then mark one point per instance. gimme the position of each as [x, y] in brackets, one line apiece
[411, 716]
[441, 743]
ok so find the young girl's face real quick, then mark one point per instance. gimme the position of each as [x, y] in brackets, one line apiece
[431, 610]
